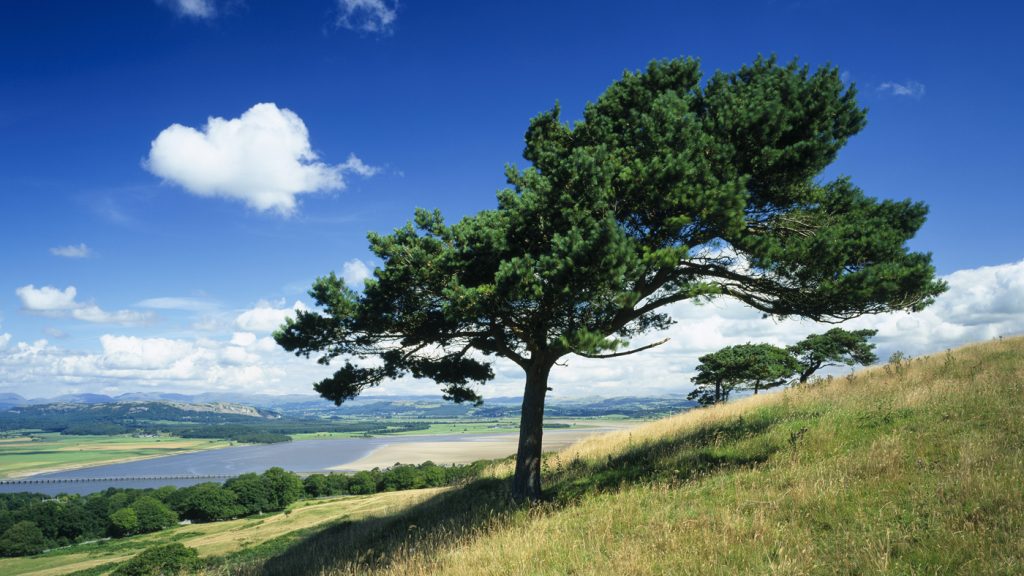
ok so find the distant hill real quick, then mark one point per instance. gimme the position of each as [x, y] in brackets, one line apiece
[408, 406]
[914, 467]
[10, 400]
[121, 417]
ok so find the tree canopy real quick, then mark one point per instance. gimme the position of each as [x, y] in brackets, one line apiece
[833, 348]
[752, 366]
[670, 188]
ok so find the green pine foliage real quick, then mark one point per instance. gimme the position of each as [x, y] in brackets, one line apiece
[834, 348]
[761, 366]
[745, 366]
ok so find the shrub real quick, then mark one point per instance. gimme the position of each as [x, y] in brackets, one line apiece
[163, 560]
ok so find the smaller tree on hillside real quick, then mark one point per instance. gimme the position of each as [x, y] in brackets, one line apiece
[153, 515]
[752, 366]
[285, 487]
[206, 502]
[317, 485]
[833, 348]
[253, 492]
[124, 522]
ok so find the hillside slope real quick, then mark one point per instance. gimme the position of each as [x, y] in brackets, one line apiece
[909, 468]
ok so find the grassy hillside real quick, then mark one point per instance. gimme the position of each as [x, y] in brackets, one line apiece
[255, 536]
[910, 468]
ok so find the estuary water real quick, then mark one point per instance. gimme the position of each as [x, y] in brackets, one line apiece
[301, 456]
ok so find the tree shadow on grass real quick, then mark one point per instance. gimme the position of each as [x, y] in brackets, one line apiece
[359, 547]
[741, 442]
[362, 546]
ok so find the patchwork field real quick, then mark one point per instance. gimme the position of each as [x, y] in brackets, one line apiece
[33, 453]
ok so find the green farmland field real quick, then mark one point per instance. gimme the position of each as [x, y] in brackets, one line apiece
[35, 452]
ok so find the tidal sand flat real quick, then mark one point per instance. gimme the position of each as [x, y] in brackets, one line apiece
[470, 448]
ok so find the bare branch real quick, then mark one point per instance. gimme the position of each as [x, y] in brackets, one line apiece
[626, 353]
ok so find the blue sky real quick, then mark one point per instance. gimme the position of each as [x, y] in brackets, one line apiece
[403, 105]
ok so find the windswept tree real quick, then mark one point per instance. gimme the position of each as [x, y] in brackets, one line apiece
[745, 366]
[834, 348]
[669, 189]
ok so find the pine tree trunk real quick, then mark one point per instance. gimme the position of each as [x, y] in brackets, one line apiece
[526, 482]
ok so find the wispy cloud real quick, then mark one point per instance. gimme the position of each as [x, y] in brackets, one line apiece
[374, 16]
[80, 251]
[910, 88]
[178, 303]
[200, 9]
[354, 164]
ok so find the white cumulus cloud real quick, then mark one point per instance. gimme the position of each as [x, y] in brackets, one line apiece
[80, 251]
[981, 304]
[47, 298]
[263, 158]
[51, 301]
[375, 16]
[131, 363]
[264, 317]
[130, 352]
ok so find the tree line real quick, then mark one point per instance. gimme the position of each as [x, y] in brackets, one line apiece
[762, 366]
[31, 523]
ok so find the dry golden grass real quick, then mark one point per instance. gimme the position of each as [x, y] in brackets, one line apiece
[915, 468]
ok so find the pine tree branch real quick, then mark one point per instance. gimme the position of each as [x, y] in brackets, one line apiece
[626, 353]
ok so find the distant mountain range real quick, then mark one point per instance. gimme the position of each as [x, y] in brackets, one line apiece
[375, 406]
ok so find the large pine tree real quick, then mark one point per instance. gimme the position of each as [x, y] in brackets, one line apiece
[669, 189]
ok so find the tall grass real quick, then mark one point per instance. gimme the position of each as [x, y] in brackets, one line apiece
[909, 468]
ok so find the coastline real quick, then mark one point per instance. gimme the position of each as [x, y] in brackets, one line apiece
[472, 449]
